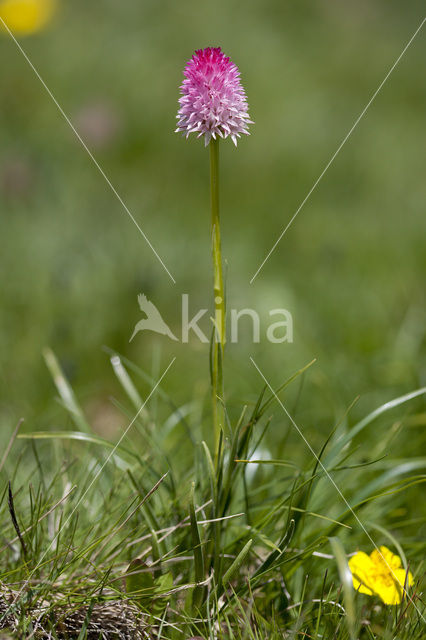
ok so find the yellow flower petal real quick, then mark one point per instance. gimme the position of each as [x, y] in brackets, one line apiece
[402, 578]
[380, 574]
[24, 17]
[386, 557]
[361, 567]
[389, 594]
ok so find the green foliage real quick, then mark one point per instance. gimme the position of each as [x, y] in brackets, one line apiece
[255, 556]
[150, 593]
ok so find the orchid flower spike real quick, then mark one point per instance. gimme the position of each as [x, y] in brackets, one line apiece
[213, 101]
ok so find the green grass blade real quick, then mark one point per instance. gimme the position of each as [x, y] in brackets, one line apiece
[371, 417]
[197, 550]
[66, 392]
[236, 565]
[127, 384]
[348, 590]
[80, 436]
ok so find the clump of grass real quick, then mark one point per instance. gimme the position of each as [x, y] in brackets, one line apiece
[167, 545]
[54, 619]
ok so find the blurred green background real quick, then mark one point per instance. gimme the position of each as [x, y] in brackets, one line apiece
[351, 268]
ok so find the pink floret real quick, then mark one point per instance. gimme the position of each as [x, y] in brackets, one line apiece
[213, 101]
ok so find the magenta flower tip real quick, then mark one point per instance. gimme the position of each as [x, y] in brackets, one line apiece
[213, 101]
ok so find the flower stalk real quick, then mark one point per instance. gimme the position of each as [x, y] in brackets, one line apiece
[219, 333]
[213, 105]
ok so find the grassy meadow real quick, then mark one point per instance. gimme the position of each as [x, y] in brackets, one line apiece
[118, 517]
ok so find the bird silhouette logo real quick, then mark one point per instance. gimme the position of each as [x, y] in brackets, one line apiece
[153, 320]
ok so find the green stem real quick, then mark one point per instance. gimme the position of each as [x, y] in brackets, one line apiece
[219, 337]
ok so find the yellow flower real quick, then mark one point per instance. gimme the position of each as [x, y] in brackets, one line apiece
[380, 574]
[24, 17]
